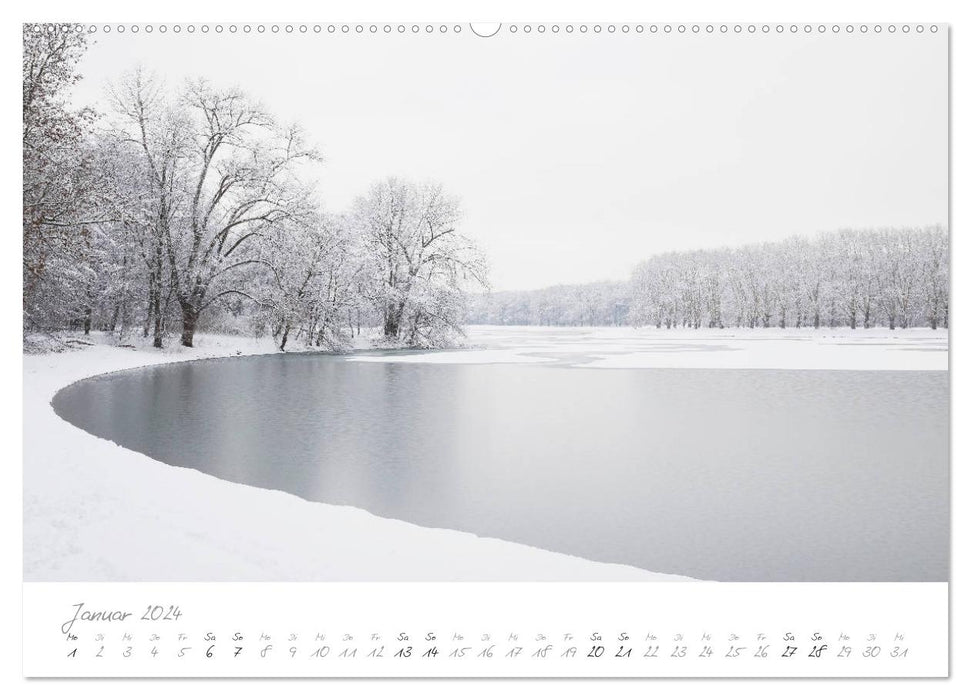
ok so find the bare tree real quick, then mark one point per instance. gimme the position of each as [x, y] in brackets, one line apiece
[160, 137]
[420, 260]
[934, 273]
[224, 173]
[59, 199]
[316, 272]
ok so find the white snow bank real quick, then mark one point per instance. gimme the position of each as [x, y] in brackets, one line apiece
[759, 348]
[94, 511]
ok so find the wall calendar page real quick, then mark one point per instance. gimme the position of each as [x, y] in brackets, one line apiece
[451, 350]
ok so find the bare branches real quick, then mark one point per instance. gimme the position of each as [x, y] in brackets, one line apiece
[419, 258]
[223, 173]
[192, 202]
[849, 278]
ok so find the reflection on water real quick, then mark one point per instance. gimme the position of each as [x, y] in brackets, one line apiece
[736, 475]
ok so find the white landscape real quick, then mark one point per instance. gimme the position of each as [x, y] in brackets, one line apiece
[642, 377]
[94, 511]
[610, 351]
[644, 348]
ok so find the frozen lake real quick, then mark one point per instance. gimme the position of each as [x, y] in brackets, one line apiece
[724, 474]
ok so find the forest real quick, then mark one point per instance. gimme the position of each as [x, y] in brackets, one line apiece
[180, 209]
[185, 208]
[896, 278]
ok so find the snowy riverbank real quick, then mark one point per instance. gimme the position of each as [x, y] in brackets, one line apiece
[94, 511]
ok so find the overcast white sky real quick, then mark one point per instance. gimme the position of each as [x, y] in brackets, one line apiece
[577, 156]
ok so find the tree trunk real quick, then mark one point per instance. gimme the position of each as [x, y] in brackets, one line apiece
[156, 313]
[113, 323]
[190, 315]
[157, 335]
[392, 320]
[151, 303]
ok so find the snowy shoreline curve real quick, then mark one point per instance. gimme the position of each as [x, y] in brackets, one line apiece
[95, 511]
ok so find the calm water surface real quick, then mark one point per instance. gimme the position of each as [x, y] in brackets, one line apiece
[733, 475]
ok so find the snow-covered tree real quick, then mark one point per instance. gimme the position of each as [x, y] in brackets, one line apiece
[421, 264]
[893, 277]
[316, 275]
[896, 277]
[935, 263]
[59, 198]
[224, 174]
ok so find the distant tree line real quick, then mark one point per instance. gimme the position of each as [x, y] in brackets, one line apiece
[896, 277]
[596, 304]
[186, 209]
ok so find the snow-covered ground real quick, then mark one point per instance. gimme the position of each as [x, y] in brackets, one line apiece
[94, 511]
[759, 348]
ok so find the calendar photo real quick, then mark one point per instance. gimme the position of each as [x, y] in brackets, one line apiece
[446, 304]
